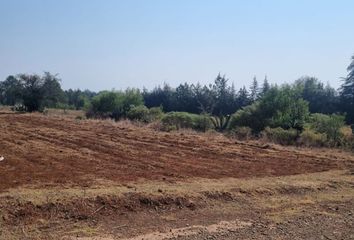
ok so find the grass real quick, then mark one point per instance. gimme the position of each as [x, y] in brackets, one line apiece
[193, 187]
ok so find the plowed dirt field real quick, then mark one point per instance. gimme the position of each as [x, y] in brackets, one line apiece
[63, 178]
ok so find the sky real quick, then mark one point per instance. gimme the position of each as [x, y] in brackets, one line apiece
[115, 44]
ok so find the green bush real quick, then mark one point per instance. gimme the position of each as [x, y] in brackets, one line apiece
[310, 138]
[139, 113]
[202, 122]
[114, 104]
[143, 114]
[249, 116]
[279, 107]
[178, 120]
[330, 125]
[156, 113]
[64, 106]
[280, 135]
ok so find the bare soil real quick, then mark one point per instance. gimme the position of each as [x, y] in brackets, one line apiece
[63, 178]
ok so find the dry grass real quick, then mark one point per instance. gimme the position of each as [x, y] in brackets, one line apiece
[64, 113]
[194, 187]
[280, 198]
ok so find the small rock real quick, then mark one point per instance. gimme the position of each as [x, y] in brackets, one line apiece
[2, 158]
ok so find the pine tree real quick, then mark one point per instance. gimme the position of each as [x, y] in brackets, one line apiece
[254, 90]
[265, 86]
[243, 97]
[347, 93]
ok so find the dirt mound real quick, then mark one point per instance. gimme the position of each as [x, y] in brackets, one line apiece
[92, 209]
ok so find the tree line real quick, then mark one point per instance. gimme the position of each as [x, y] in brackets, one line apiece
[258, 107]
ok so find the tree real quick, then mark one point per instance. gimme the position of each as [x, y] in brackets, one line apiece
[280, 107]
[347, 93]
[52, 92]
[223, 94]
[33, 92]
[185, 99]
[322, 99]
[114, 104]
[160, 96]
[254, 91]
[10, 91]
[205, 98]
[242, 98]
[130, 98]
[265, 87]
[78, 99]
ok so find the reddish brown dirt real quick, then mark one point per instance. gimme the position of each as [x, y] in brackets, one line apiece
[40, 149]
[76, 179]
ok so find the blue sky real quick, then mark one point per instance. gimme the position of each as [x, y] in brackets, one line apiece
[134, 43]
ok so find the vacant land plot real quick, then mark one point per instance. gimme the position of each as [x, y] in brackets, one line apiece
[68, 178]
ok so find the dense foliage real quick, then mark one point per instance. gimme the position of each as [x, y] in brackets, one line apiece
[114, 104]
[33, 92]
[279, 107]
[305, 112]
[178, 120]
[347, 94]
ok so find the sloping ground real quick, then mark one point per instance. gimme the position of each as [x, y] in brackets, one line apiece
[39, 149]
[72, 179]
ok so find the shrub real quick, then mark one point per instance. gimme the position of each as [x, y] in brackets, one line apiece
[155, 113]
[202, 122]
[330, 125]
[249, 116]
[294, 115]
[139, 113]
[242, 133]
[346, 132]
[280, 135]
[114, 104]
[178, 120]
[348, 137]
[64, 106]
[310, 138]
[144, 114]
[279, 107]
